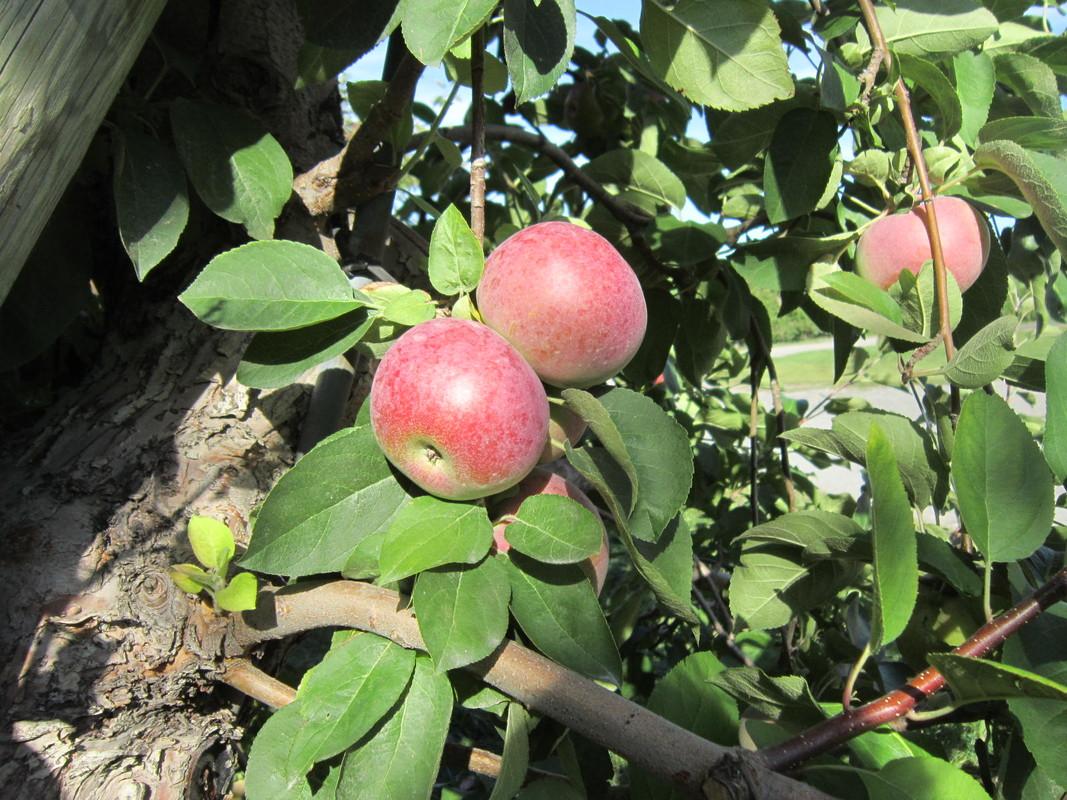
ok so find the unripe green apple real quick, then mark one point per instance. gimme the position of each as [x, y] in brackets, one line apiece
[566, 299]
[541, 481]
[457, 410]
[900, 242]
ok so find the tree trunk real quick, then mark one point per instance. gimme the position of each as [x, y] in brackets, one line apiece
[106, 664]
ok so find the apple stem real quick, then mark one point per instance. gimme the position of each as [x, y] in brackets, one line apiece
[478, 134]
[882, 56]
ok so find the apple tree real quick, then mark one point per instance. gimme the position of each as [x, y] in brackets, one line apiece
[330, 473]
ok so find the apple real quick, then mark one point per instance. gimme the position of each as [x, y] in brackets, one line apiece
[457, 410]
[566, 300]
[899, 242]
[541, 481]
[563, 425]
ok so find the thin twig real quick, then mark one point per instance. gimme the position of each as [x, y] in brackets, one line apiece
[716, 623]
[779, 416]
[478, 135]
[633, 218]
[911, 132]
[893, 706]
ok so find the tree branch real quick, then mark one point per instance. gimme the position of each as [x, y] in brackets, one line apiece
[645, 739]
[835, 731]
[878, 42]
[350, 177]
[633, 219]
[478, 135]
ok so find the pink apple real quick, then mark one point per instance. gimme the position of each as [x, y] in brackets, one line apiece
[563, 426]
[566, 299]
[899, 242]
[541, 481]
[457, 410]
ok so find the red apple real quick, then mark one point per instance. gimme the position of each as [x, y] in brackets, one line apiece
[457, 410]
[541, 481]
[566, 299]
[899, 242]
[563, 425]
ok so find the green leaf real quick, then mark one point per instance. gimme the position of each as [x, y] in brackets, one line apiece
[786, 697]
[984, 301]
[557, 609]
[634, 55]
[921, 779]
[935, 27]
[345, 695]
[239, 594]
[896, 568]
[771, 585]
[921, 467]
[538, 43]
[432, 28]
[659, 449]
[428, 533]
[820, 534]
[861, 304]
[1042, 179]
[212, 543]
[402, 755]
[151, 203]
[798, 163]
[1032, 81]
[975, 680]
[985, 355]
[1041, 647]
[239, 170]
[1003, 485]
[278, 358]
[639, 172]
[929, 77]
[269, 772]
[686, 697]
[1056, 408]
[347, 24]
[516, 757]
[337, 33]
[315, 516]
[917, 297]
[269, 286]
[596, 416]
[410, 308]
[700, 339]
[456, 259]
[555, 529]
[462, 612]
[667, 564]
[192, 578]
[975, 83]
[1031, 133]
[727, 55]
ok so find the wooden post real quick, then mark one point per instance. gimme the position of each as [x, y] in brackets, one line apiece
[61, 65]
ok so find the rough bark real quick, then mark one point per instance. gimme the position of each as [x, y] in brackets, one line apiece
[103, 690]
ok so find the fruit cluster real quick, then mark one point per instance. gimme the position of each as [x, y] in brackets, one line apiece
[460, 408]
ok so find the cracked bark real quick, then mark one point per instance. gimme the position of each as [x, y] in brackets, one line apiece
[105, 693]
